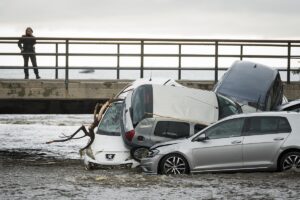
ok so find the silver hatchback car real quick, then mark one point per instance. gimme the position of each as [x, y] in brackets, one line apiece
[256, 141]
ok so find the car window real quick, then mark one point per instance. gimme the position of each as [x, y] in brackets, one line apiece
[198, 127]
[110, 123]
[229, 128]
[266, 125]
[142, 103]
[227, 107]
[172, 130]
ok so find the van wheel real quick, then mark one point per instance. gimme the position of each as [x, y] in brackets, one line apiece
[139, 153]
[174, 164]
[290, 160]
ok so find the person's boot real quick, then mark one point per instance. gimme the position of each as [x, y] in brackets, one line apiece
[26, 76]
[38, 77]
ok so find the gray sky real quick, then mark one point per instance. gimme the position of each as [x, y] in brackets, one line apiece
[262, 19]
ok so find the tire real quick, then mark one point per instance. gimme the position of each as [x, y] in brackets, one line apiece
[174, 164]
[139, 153]
[289, 161]
[89, 166]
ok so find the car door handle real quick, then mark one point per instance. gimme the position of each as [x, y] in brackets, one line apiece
[236, 142]
[278, 139]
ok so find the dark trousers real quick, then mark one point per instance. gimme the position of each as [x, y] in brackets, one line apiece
[32, 57]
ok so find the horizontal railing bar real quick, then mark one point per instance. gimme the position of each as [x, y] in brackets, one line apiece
[158, 39]
[138, 43]
[152, 55]
[129, 68]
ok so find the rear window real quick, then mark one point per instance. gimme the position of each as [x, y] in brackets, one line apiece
[111, 122]
[267, 125]
[141, 104]
[172, 130]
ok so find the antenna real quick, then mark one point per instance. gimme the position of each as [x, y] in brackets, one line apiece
[150, 79]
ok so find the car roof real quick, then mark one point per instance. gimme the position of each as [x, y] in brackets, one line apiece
[262, 114]
[142, 81]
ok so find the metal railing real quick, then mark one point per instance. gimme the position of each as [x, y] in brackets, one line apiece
[290, 48]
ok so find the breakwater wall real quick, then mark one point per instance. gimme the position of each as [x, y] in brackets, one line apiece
[80, 96]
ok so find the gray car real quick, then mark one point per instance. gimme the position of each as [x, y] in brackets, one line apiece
[252, 84]
[256, 141]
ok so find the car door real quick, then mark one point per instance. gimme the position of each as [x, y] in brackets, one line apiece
[222, 150]
[263, 138]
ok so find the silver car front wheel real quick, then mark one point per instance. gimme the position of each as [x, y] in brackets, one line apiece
[174, 164]
[290, 161]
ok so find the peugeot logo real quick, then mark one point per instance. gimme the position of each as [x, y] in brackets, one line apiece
[110, 156]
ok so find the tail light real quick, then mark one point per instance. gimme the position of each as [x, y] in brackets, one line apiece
[129, 135]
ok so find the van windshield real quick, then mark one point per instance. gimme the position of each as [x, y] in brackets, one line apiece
[110, 123]
[142, 104]
[227, 107]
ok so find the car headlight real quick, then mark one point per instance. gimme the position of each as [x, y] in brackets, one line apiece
[152, 153]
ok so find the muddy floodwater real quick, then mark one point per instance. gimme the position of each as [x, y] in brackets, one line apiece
[31, 169]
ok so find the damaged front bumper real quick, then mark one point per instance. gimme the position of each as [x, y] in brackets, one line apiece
[109, 158]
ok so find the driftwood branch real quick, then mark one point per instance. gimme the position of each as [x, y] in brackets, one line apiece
[98, 114]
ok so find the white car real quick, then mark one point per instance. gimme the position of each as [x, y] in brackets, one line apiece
[145, 104]
[108, 147]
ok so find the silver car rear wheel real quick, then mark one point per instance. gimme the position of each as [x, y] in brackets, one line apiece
[174, 164]
[290, 161]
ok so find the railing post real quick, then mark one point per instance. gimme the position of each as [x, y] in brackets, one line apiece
[142, 60]
[67, 65]
[216, 60]
[56, 61]
[241, 52]
[289, 63]
[118, 61]
[179, 62]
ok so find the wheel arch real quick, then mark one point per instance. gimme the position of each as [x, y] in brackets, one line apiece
[293, 149]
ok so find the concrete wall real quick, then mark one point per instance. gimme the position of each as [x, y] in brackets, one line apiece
[52, 97]
[98, 90]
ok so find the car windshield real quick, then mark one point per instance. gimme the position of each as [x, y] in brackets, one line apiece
[227, 107]
[110, 123]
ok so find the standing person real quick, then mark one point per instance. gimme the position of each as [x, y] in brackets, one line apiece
[26, 44]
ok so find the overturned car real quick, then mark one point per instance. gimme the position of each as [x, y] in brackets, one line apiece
[255, 86]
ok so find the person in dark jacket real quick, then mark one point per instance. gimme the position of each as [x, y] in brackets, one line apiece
[26, 44]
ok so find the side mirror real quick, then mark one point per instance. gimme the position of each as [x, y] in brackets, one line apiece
[201, 138]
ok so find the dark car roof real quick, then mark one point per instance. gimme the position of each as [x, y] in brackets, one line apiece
[247, 81]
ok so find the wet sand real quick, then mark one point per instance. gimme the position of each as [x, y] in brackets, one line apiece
[31, 169]
[32, 175]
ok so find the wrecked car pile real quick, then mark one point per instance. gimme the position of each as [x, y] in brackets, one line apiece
[155, 111]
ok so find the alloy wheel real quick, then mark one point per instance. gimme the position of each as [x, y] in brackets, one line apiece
[174, 165]
[291, 162]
